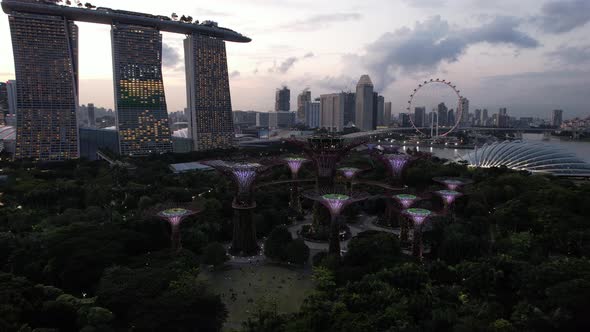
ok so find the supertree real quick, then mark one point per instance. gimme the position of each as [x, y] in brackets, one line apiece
[448, 197]
[453, 183]
[405, 201]
[395, 163]
[418, 216]
[325, 152]
[243, 175]
[335, 203]
[349, 174]
[175, 216]
[295, 164]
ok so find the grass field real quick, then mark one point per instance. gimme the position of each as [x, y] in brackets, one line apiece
[241, 288]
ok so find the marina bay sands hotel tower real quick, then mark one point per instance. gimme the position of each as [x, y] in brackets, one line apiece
[45, 47]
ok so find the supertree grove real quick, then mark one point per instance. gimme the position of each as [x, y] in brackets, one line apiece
[395, 163]
[175, 216]
[418, 217]
[243, 175]
[405, 201]
[335, 203]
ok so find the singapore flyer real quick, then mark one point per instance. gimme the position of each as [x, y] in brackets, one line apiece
[436, 107]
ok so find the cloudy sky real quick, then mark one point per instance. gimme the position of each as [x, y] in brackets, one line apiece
[531, 56]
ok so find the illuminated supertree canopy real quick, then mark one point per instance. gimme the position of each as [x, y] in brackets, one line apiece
[449, 196]
[335, 203]
[349, 172]
[295, 164]
[418, 216]
[405, 200]
[175, 216]
[396, 163]
[453, 183]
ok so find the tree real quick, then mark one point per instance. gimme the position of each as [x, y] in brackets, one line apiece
[275, 246]
[215, 254]
[297, 251]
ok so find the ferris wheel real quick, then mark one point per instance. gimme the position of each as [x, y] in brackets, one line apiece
[449, 89]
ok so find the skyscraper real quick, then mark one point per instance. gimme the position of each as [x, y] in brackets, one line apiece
[364, 104]
[302, 98]
[332, 111]
[349, 108]
[283, 99]
[484, 117]
[208, 94]
[140, 102]
[380, 110]
[420, 116]
[387, 114]
[557, 118]
[45, 51]
[465, 112]
[91, 118]
[442, 114]
[312, 114]
[450, 118]
[502, 118]
[477, 118]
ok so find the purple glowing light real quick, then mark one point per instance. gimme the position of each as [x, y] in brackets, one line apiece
[371, 146]
[349, 172]
[335, 202]
[396, 163]
[295, 164]
[418, 215]
[405, 200]
[448, 196]
[245, 175]
[453, 183]
[175, 215]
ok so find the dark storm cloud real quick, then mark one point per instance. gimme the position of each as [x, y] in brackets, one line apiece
[571, 55]
[288, 63]
[559, 16]
[316, 22]
[423, 48]
[170, 56]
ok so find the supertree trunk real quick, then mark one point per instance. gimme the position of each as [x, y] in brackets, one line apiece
[319, 223]
[417, 246]
[334, 244]
[175, 237]
[295, 200]
[244, 234]
[404, 230]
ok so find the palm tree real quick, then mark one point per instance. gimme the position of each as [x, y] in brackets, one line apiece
[189, 19]
[183, 18]
[174, 16]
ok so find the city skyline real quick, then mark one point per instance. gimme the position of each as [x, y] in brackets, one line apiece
[537, 47]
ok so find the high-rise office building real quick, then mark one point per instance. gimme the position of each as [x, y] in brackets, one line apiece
[312, 114]
[484, 117]
[349, 108]
[332, 112]
[45, 51]
[380, 111]
[404, 120]
[502, 119]
[387, 114]
[420, 116]
[11, 90]
[208, 94]
[140, 102]
[477, 117]
[557, 118]
[302, 98]
[364, 110]
[283, 99]
[442, 114]
[465, 112]
[91, 116]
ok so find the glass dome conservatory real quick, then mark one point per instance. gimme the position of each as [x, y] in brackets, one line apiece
[535, 157]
